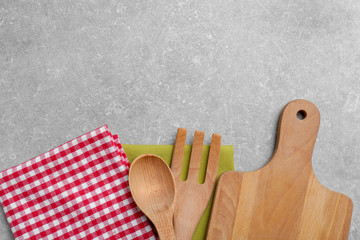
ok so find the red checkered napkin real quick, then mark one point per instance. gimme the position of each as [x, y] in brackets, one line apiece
[78, 190]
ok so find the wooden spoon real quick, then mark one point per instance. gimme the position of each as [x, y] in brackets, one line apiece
[152, 186]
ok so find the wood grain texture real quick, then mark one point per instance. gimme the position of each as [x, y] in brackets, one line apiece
[284, 199]
[191, 196]
[152, 186]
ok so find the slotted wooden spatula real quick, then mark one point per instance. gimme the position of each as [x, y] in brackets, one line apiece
[284, 199]
[191, 196]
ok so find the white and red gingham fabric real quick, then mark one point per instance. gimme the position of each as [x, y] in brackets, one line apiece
[78, 190]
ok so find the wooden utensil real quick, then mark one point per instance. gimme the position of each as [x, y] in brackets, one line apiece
[191, 196]
[152, 186]
[284, 199]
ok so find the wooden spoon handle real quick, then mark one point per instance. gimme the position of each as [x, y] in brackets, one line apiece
[164, 224]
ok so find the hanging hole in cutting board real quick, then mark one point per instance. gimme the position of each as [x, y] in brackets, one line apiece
[301, 115]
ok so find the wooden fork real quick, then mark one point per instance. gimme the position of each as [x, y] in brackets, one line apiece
[191, 196]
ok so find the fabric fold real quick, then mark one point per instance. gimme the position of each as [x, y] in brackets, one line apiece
[78, 190]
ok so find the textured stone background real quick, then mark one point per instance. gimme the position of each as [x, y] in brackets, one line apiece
[148, 67]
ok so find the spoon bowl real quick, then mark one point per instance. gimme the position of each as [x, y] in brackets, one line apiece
[152, 186]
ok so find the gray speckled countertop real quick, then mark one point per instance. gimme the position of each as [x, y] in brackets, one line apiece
[148, 67]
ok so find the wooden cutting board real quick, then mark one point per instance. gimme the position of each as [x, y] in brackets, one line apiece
[284, 199]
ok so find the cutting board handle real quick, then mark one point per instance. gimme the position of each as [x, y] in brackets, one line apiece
[297, 130]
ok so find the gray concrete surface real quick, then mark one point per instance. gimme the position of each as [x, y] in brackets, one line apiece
[148, 67]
